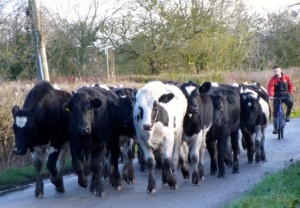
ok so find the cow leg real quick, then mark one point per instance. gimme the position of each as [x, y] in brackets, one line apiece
[222, 148]
[39, 186]
[262, 147]
[201, 159]
[250, 146]
[170, 161]
[55, 175]
[115, 177]
[150, 163]
[78, 166]
[236, 150]
[258, 136]
[141, 159]
[128, 155]
[183, 160]
[97, 165]
[212, 150]
[106, 170]
[158, 158]
[195, 151]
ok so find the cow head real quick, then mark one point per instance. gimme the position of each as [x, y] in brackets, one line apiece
[219, 102]
[126, 103]
[250, 111]
[81, 109]
[192, 92]
[155, 113]
[24, 129]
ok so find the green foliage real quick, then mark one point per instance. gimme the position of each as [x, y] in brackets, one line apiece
[17, 176]
[278, 190]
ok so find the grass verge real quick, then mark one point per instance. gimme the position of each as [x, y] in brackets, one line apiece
[277, 190]
[20, 176]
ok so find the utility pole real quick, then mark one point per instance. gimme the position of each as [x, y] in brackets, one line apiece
[35, 16]
[107, 61]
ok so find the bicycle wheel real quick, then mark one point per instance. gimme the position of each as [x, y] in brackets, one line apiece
[279, 127]
[282, 131]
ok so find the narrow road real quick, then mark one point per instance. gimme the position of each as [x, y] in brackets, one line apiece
[211, 193]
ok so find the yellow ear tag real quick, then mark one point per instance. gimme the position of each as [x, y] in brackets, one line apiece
[67, 109]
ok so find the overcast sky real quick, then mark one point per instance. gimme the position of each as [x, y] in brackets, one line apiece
[67, 6]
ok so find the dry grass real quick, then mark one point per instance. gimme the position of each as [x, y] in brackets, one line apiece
[15, 92]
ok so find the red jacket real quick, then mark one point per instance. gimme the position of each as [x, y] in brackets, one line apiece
[275, 80]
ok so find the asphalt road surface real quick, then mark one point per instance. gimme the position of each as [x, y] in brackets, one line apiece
[213, 192]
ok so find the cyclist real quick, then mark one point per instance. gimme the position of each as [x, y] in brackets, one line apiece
[280, 85]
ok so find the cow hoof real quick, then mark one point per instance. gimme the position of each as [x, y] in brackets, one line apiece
[235, 171]
[174, 187]
[151, 191]
[83, 182]
[185, 173]
[100, 194]
[39, 194]
[221, 175]
[118, 188]
[60, 189]
[195, 178]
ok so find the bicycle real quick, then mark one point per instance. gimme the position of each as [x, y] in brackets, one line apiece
[280, 118]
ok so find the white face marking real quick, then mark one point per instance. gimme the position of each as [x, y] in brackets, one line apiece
[215, 84]
[55, 86]
[189, 89]
[249, 104]
[21, 121]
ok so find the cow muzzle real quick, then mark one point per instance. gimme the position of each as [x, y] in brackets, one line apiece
[192, 110]
[147, 127]
[19, 152]
[85, 130]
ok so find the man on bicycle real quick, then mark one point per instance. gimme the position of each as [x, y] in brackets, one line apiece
[280, 85]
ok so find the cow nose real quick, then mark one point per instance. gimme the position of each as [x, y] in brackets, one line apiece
[86, 130]
[147, 127]
[17, 151]
[193, 110]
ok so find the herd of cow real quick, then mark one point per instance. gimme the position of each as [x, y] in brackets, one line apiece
[172, 123]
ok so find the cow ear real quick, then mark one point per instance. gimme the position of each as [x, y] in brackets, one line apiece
[67, 107]
[96, 103]
[205, 87]
[165, 98]
[15, 109]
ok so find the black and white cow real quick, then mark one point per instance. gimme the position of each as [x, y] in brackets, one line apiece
[255, 116]
[196, 123]
[223, 137]
[158, 117]
[41, 127]
[96, 122]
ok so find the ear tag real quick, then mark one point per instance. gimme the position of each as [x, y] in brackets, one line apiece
[67, 109]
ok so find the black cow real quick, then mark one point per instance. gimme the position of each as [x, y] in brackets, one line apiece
[127, 139]
[96, 122]
[196, 124]
[223, 137]
[41, 127]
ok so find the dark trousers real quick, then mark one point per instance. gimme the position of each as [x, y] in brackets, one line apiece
[287, 101]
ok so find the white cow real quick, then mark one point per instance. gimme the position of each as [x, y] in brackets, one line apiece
[158, 116]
